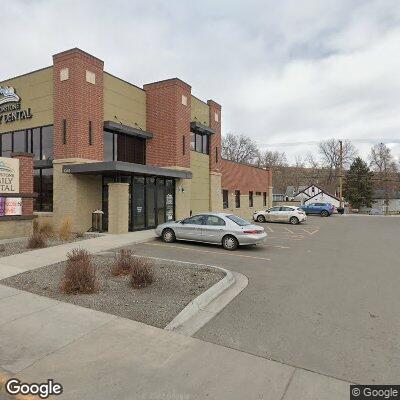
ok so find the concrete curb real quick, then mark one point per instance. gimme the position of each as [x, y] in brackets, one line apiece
[206, 306]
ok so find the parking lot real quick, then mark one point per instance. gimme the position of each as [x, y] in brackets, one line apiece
[323, 295]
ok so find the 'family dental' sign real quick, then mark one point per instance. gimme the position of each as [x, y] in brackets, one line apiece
[9, 175]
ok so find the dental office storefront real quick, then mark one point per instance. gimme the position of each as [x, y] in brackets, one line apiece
[141, 155]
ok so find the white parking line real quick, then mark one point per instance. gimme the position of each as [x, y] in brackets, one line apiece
[235, 254]
[269, 228]
[311, 233]
[288, 230]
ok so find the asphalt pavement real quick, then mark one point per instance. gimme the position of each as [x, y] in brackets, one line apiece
[322, 296]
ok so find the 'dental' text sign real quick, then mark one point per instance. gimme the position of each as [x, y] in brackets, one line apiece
[9, 175]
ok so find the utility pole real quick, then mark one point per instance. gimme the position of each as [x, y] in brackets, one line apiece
[341, 173]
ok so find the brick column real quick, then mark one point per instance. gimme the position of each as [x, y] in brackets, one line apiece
[168, 117]
[25, 180]
[215, 145]
[78, 100]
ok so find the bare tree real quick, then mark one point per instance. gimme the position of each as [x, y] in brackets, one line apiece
[239, 148]
[385, 168]
[272, 160]
[329, 151]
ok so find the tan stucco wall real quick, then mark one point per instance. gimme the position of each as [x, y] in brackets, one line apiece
[125, 101]
[215, 192]
[13, 229]
[200, 192]
[44, 217]
[75, 196]
[245, 211]
[36, 92]
[199, 111]
[118, 208]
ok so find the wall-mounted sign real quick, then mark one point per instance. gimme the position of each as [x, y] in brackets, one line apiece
[9, 175]
[10, 106]
[10, 206]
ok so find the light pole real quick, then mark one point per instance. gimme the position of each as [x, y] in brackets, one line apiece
[341, 173]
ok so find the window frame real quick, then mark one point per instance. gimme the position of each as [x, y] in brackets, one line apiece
[237, 198]
[251, 199]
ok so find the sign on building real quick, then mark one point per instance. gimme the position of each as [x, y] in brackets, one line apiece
[10, 206]
[9, 175]
[10, 106]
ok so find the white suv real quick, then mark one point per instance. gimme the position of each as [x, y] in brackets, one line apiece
[293, 215]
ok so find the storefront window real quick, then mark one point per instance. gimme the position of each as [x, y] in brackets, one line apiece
[120, 147]
[199, 142]
[43, 186]
[225, 198]
[47, 143]
[38, 141]
[19, 142]
[237, 198]
[35, 143]
[250, 199]
[6, 144]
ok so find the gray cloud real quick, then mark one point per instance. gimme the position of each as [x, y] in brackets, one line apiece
[285, 72]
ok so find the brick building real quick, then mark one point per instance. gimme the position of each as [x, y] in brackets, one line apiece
[142, 155]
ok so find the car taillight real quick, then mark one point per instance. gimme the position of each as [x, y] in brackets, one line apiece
[253, 232]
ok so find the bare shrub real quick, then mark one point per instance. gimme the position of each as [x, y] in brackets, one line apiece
[37, 241]
[65, 232]
[79, 274]
[80, 234]
[2, 247]
[123, 262]
[46, 229]
[141, 272]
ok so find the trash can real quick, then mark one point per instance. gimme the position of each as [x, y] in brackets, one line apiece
[97, 221]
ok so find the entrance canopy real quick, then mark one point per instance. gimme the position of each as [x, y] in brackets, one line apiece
[110, 167]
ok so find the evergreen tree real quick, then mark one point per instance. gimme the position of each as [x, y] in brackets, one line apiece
[358, 185]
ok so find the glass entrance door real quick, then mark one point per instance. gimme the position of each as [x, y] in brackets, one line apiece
[138, 203]
[150, 202]
[160, 201]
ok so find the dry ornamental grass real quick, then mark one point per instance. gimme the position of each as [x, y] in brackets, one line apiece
[37, 241]
[79, 274]
[46, 229]
[65, 232]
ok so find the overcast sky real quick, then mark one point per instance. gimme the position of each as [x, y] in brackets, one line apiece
[288, 73]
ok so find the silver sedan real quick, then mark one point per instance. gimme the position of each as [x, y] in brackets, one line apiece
[218, 228]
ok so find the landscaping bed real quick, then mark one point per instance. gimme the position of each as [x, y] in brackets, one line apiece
[18, 246]
[173, 286]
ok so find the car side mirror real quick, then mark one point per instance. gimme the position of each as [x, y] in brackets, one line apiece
[182, 222]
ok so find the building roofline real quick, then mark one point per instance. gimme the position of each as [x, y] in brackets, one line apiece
[123, 80]
[247, 165]
[166, 81]
[27, 73]
[76, 49]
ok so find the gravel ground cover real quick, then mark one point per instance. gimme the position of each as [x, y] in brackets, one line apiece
[19, 246]
[173, 287]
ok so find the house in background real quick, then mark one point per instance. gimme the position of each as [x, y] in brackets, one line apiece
[379, 201]
[314, 194]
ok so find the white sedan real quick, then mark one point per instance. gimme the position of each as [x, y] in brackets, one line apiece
[293, 215]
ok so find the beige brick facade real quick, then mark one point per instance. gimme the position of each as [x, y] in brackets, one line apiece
[118, 208]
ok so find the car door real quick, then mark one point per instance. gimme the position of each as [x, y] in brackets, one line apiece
[310, 208]
[286, 213]
[213, 229]
[273, 214]
[190, 228]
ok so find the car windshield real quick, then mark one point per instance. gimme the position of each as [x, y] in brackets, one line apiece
[239, 221]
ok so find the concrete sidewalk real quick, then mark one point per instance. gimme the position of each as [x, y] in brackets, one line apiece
[100, 356]
[13, 265]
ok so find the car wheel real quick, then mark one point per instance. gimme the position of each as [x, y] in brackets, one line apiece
[294, 220]
[229, 242]
[261, 218]
[168, 235]
[324, 213]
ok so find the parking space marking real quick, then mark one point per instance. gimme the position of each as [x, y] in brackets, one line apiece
[289, 230]
[311, 233]
[270, 229]
[206, 251]
[275, 245]
[286, 237]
